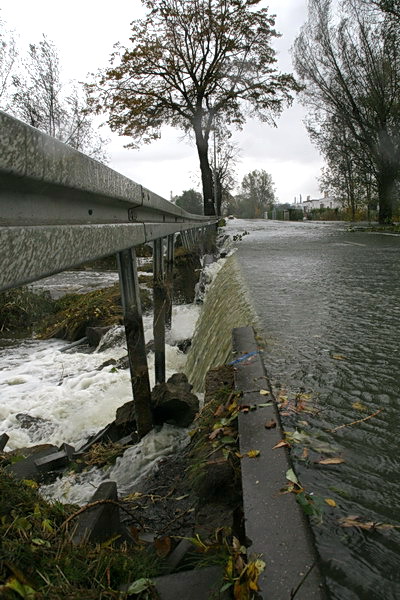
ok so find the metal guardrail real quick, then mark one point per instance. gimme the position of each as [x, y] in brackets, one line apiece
[60, 208]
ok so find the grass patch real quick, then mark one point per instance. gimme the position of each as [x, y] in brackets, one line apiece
[21, 310]
[100, 455]
[214, 465]
[38, 561]
[74, 312]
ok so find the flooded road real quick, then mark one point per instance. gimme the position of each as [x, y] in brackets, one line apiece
[328, 302]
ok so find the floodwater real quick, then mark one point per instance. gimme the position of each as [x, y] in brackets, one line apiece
[328, 302]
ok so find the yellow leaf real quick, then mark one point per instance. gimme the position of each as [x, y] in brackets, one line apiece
[358, 406]
[264, 392]
[253, 585]
[331, 461]
[330, 502]
[339, 357]
[253, 453]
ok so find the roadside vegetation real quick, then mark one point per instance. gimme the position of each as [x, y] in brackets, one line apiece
[39, 562]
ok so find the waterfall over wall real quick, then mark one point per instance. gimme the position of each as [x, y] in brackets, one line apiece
[226, 306]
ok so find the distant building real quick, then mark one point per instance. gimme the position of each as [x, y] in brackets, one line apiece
[326, 201]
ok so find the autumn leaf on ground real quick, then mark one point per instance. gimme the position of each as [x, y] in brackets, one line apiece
[353, 521]
[358, 406]
[264, 405]
[219, 411]
[291, 476]
[271, 424]
[254, 569]
[330, 502]
[339, 357]
[305, 453]
[330, 461]
[253, 453]
[264, 392]
[162, 546]
[281, 444]
[215, 433]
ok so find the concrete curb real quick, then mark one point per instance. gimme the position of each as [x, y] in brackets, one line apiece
[274, 523]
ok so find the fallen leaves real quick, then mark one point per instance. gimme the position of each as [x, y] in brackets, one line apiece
[338, 357]
[330, 502]
[358, 406]
[249, 454]
[162, 546]
[281, 444]
[252, 453]
[330, 461]
[291, 476]
[270, 424]
[264, 392]
[354, 521]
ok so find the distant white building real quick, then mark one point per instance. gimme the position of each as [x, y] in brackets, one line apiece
[326, 201]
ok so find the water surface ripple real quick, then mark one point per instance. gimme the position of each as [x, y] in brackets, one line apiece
[328, 302]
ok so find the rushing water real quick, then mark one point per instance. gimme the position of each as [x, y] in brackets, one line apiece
[226, 306]
[328, 300]
[73, 396]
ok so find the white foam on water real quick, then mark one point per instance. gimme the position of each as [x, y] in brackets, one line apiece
[66, 388]
[128, 471]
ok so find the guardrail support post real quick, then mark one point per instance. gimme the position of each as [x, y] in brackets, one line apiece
[134, 332]
[159, 297]
[169, 276]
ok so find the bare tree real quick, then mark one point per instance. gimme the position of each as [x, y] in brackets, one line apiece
[41, 99]
[190, 62]
[8, 60]
[389, 7]
[348, 172]
[223, 158]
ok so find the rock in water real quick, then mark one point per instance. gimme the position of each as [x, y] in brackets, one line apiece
[173, 401]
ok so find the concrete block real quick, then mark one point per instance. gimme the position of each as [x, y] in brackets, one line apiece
[201, 584]
[69, 450]
[101, 522]
[26, 468]
[52, 462]
[3, 441]
[178, 554]
[274, 523]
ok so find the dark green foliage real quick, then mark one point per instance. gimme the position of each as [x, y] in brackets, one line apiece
[191, 201]
[257, 195]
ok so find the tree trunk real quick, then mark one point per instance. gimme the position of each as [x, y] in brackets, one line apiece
[386, 179]
[206, 172]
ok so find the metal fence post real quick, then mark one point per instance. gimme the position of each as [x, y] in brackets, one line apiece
[159, 298]
[169, 276]
[134, 332]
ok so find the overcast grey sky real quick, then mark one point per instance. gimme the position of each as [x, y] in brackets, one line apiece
[84, 32]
